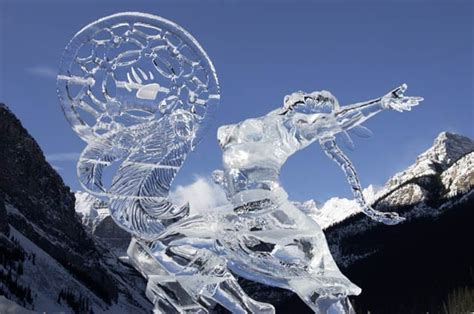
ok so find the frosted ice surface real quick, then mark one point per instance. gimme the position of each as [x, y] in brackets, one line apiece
[140, 91]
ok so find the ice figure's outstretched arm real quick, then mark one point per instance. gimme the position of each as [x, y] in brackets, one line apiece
[335, 153]
[353, 115]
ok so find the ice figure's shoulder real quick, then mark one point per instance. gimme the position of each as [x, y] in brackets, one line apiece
[224, 133]
[243, 130]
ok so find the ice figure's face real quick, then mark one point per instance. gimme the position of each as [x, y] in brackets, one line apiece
[312, 114]
[310, 103]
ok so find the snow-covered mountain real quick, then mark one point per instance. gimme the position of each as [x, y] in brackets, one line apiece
[446, 169]
[423, 261]
[48, 261]
[90, 209]
[426, 188]
[446, 150]
[95, 217]
[336, 209]
[450, 160]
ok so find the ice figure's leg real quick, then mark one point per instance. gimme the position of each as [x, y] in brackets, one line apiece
[212, 279]
[332, 305]
[321, 286]
[163, 290]
[169, 297]
[231, 296]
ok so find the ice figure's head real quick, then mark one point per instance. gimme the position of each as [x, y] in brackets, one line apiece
[310, 103]
[311, 114]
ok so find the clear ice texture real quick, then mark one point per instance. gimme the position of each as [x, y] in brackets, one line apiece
[140, 91]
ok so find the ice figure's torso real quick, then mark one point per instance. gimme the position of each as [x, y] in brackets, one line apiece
[264, 234]
[254, 151]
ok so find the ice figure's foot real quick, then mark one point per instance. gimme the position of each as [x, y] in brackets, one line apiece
[332, 305]
[231, 296]
[326, 294]
[260, 307]
[387, 218]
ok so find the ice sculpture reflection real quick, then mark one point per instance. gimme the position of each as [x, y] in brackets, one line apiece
[141, 91]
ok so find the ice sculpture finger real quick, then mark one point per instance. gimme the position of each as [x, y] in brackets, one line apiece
[397, 101]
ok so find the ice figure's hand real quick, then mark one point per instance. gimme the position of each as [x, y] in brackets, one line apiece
[388, 218]
[396, 100]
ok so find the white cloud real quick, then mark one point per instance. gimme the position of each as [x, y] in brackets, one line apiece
[43, 71]
[202, 195]
[62, 157]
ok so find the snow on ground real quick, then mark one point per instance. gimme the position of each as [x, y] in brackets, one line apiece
[10, 307]
[91, 209]
[85, 204]
[47, 277]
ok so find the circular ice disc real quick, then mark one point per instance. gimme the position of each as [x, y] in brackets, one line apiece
[129, 68]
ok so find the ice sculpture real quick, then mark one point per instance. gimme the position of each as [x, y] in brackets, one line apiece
[140, 91]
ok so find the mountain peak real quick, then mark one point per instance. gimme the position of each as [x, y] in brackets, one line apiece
[447, 148]
[4, 107]
[37, 210]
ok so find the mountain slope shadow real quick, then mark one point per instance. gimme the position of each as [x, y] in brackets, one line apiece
[419, 264]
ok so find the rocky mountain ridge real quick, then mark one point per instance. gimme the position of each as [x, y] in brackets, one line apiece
[48, 262]
[430, 185]
[447, 166]
[418, 265]
[449, 160]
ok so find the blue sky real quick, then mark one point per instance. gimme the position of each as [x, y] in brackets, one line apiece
[262, 51]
